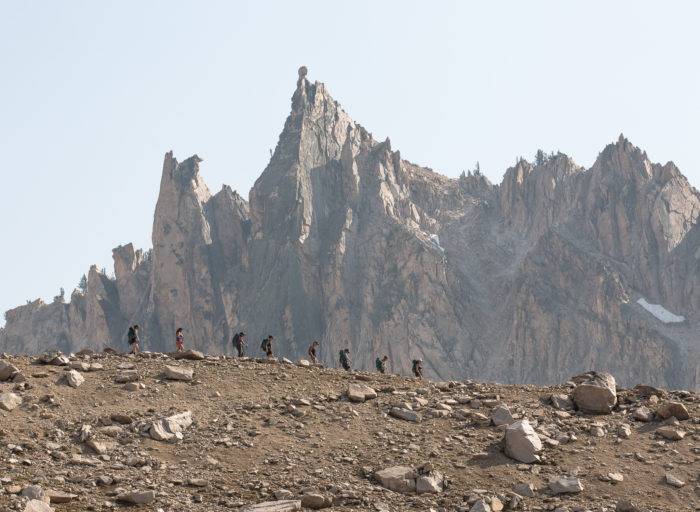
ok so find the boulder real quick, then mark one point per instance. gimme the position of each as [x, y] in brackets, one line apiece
[315, 501]
[9, 401]
[561, 402]
[178, 373]
[60, 497]
[274, 506]
[137, 497]
[170, 428]
[397, 478]
[126, 376]
[7, 370]
[642, 414]
[192, 355]
[501, 416]
[522, 442]
[565, 484]
[74, 378]
[37, 506]
[670, 433]
[480, 506]
[432, 483]
[405, 414]
[595, 394]
[33, 492]
[524, 489]
[359, 393]
[675, 409]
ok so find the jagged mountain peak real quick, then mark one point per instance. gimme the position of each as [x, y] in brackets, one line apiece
[344, 241]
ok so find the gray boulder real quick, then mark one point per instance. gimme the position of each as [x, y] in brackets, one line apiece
[522, 442]
[9, 401]
[595, 393]
[178, 373]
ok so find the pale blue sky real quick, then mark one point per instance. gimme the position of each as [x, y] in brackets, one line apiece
[95, 92]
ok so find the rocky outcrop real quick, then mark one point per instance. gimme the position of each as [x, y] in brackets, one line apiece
[344, 241]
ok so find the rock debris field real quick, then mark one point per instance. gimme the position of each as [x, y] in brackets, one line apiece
[189, 432]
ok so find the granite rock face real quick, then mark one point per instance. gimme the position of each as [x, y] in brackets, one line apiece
[344, 241]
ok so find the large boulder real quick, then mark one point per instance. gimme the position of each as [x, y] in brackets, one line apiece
[315, 501]
[9, 401]
[178, 373]
[170, 428]
[274, 506]
[7, 370]
[522, 442]
[595, 393]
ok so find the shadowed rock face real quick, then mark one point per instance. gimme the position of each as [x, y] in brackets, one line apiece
[532, 280]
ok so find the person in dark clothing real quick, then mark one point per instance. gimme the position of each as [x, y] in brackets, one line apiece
[380, 364]
[266, 346]
[134, 341]
[239, 343]
[418, 368]
[345, 361]
[312, 352]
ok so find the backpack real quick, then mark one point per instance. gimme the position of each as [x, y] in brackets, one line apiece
[131, 335]
[235, 339]
[378, 364]
[263, 345]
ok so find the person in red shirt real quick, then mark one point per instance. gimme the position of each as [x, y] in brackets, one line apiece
[179, 340]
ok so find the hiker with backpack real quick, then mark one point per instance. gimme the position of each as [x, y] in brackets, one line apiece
[266, 346]
[380, 364]
[239, 343]
[134, 341]
[418, 368]
[312, 352]
[179, 340]
[344, 357]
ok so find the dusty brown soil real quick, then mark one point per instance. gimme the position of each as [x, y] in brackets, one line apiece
[245, 444]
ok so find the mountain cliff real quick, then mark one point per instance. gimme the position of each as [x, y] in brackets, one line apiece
[557, 270]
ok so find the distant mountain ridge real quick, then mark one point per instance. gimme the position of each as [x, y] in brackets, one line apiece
[543, 276]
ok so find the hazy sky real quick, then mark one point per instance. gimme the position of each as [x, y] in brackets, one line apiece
[94, 93]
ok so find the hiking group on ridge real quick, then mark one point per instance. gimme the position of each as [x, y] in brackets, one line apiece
[239, 344]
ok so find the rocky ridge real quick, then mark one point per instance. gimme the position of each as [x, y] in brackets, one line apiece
[273, 435]
[556, 271]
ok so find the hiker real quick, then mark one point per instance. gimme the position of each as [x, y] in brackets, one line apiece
[266, 346]
[134, 339]
[179, 340]
[312, 352]
[418, 368]
[344, 357]
[239, 342]
[380, 364]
